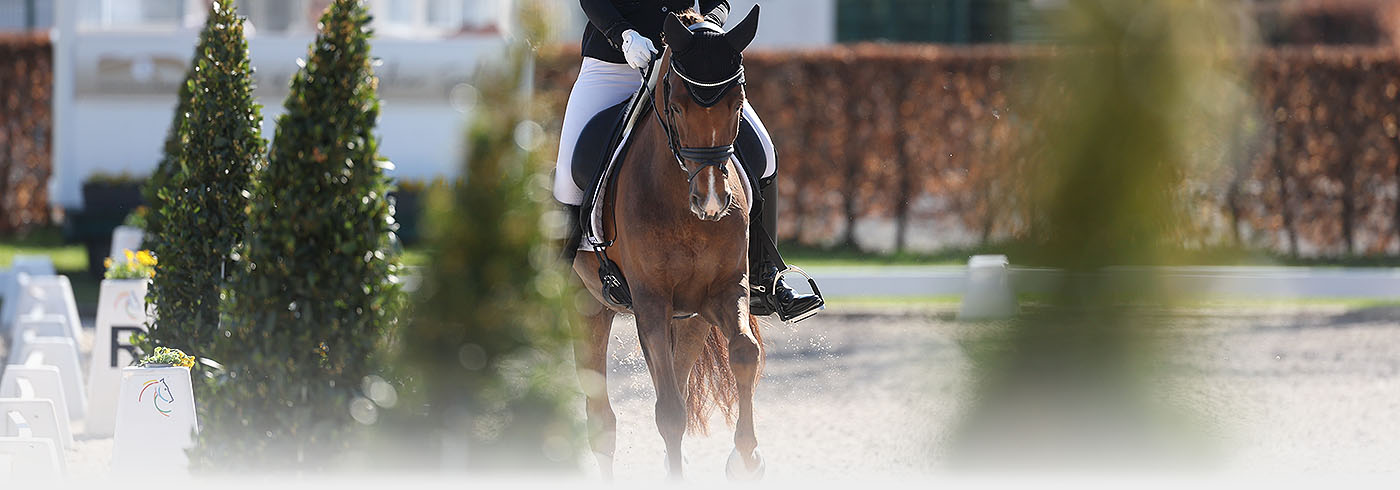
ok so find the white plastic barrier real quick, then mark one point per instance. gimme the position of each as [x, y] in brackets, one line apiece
[29, 458]
[34, 265]
[155, 419]
[121, 311]
[988, 295]
[125, 238]
[41, 382]
[39, 326]
[44, 295]
[62, 353]
[30, 417]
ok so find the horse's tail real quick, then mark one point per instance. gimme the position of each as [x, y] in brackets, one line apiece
[712, 385]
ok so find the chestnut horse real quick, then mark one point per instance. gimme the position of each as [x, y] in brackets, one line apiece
[678, 214]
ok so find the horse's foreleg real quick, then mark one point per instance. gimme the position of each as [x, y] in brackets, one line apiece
[591, 355]
[745, 354]
[654, 329]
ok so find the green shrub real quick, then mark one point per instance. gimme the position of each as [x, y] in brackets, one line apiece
[202, 204]
[488, 351]
[313, 291]
[168, 166]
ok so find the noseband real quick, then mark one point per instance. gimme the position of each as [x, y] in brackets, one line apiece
[714, 156]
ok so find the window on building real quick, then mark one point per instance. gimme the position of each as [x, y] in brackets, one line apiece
[431, 18]
[105, 14]
[393, 18]
[930, 21]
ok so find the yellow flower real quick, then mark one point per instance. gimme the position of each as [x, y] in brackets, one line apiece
[145, 258]
[107, 263]
[130, 257]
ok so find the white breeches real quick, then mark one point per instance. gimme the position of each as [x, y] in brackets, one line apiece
[602, 85]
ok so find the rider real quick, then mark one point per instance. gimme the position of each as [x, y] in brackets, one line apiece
[621, 39]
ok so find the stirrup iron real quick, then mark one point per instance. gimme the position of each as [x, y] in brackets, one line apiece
[773, 288]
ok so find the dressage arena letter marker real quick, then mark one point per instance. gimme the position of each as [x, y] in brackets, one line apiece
[119, 346]
[121, 311]
[155, 420]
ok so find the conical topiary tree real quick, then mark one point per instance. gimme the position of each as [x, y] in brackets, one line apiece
[313, 292]
[487, 364]
[201, 200]
[170, 154]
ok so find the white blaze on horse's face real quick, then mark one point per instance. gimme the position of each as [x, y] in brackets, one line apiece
[711, 192]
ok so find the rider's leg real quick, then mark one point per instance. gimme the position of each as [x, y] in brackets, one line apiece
[770, 292]
[600, 85]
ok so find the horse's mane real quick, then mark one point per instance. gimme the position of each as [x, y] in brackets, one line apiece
[691, 17]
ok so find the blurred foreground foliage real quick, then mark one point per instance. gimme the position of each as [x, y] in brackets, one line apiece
[488, 382]
[1135, 107]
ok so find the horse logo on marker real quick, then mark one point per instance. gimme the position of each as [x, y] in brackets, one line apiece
[128, 303]
[160, 395]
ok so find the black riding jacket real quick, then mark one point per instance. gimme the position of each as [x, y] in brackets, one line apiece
[608, 19]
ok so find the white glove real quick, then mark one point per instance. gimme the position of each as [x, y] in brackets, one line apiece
[637, 49]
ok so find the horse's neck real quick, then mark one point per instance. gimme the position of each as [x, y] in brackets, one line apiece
[657, 171]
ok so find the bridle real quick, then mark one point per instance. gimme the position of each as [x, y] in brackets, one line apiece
[703, 157]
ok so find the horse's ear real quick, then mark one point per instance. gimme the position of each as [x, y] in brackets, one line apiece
[676, 35]
[741, 35]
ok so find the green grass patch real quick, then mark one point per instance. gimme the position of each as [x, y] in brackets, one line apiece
[48, 241]
[893, 301]
[68, 259]
[1026, 254]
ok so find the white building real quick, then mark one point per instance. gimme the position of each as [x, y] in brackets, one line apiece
[784, 23]
[118, 63]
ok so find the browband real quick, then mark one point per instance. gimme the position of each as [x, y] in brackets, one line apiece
[737, 75]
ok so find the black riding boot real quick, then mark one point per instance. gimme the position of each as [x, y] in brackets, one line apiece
[771, 293]
[574, 234]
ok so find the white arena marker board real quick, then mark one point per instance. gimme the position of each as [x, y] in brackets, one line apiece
[29, 417]
[121, 311]
[38, 326]
[155, 420]
[43, 295]
[41, 382]
[125, 238]
[989, 294]
[60, 352]
[28, 457]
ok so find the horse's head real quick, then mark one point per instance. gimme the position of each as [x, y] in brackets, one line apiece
[699, 102]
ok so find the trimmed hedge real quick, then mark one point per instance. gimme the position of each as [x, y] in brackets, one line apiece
[26, 131]
[928, 143]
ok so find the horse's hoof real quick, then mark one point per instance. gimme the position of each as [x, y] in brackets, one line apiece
[740, 471]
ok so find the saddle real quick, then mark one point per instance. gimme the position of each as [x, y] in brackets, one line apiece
[601, 148]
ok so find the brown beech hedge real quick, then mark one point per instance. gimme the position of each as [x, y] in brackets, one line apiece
[26, 85]
[889, 147]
